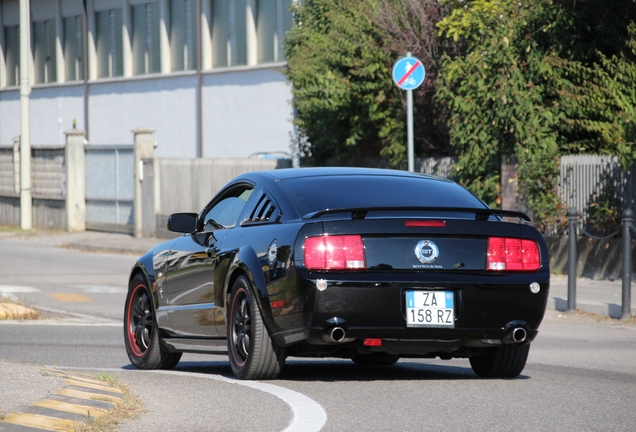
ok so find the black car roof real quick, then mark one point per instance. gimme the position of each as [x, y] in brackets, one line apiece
[291, 173]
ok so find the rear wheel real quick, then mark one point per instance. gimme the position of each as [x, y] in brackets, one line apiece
[375, 359]
[252, 352]
[506, 361]
[141, 335]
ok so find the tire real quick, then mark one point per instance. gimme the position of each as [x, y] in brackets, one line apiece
[375, 359]
[506, 361]
[252, 352]
[141, 334]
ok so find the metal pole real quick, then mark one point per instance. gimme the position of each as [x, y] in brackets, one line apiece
[572, 258]
[199, 102]
[409, 126]
[85, 69]
[26, 202]
[628, 218]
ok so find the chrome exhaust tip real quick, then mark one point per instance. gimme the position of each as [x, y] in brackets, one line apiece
[518, 334]
[337, 334]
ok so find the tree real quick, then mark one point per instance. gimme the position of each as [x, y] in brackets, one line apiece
[340, 55]
[517, 80]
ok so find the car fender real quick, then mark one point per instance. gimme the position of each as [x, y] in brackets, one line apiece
[246, 261]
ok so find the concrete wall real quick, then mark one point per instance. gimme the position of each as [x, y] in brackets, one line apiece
[597, 259]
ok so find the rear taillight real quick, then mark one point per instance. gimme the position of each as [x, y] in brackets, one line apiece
[509, 254]
[339, 252]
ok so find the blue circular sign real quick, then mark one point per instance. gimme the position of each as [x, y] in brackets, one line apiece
[408, 73]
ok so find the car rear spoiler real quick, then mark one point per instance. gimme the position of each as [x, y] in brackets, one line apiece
[480, 213]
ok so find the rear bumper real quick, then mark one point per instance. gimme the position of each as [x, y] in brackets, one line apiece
[487, 310]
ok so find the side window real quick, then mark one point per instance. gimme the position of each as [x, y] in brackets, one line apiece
[225, 211]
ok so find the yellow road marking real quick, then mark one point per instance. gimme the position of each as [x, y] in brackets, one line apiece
[74, 377]
[87, 395]
[94, 386]
[41, 422]
[70, 298]
[84, 410]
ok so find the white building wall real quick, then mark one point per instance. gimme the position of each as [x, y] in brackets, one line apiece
[9, 116]
[53, 110]
[166, 104]
[245, 109]
[239, 110]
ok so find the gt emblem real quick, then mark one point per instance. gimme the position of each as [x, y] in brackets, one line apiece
[426, 251]
[272, 252]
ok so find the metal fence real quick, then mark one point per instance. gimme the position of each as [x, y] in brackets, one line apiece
[110, 188]
[47, 172]
[599, 188]
[47, 186]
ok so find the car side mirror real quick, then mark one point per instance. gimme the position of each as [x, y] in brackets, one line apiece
[183, 222]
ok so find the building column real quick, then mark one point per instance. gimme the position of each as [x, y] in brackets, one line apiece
[126, 38]
[164, 40]
[75, 169]
[143, 148]
[206, 35]
[250, 32]
[60, 64]
[90, 40]
[3, 64]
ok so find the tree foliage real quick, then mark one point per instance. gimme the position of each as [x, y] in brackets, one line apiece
[527, 78]
[340, 55]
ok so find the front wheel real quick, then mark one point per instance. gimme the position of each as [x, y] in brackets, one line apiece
[506, 361]
[141, 335]
[253, 354]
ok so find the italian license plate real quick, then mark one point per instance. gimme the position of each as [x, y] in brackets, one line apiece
[430, 308]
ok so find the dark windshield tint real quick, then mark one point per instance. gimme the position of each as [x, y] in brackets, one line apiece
[311, 194]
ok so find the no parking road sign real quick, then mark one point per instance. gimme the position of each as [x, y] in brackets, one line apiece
[408, 73]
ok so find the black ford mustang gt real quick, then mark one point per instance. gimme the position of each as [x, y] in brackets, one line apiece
[366, 264]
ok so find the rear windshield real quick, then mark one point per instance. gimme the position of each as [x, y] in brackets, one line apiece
[311, 194]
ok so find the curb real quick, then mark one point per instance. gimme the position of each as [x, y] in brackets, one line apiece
[13, 311]
[611, 310]
[81, 400]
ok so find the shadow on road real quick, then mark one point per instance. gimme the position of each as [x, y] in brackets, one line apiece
[345, 370]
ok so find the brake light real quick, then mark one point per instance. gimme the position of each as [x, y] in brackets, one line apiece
[425, 223]
[509, 254]
[372, 342]
[341, 252]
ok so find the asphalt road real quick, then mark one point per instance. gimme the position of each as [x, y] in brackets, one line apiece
[581, 374]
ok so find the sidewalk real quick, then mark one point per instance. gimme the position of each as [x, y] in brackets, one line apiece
[601, 297]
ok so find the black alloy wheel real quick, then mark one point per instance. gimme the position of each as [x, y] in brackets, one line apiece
[505, 361]
[253, 354]
[141, 334]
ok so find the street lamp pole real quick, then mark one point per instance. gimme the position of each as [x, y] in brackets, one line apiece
[26, 201]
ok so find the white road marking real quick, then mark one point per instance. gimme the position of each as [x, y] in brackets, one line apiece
[101, 289]
[17, 289]
[307, 414]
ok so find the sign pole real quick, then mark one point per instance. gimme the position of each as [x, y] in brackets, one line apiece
[409, 129]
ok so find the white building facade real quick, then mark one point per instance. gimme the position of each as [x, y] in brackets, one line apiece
[206, 75]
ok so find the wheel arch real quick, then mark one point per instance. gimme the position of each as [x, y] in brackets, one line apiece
[147, 273]
[246, 263]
